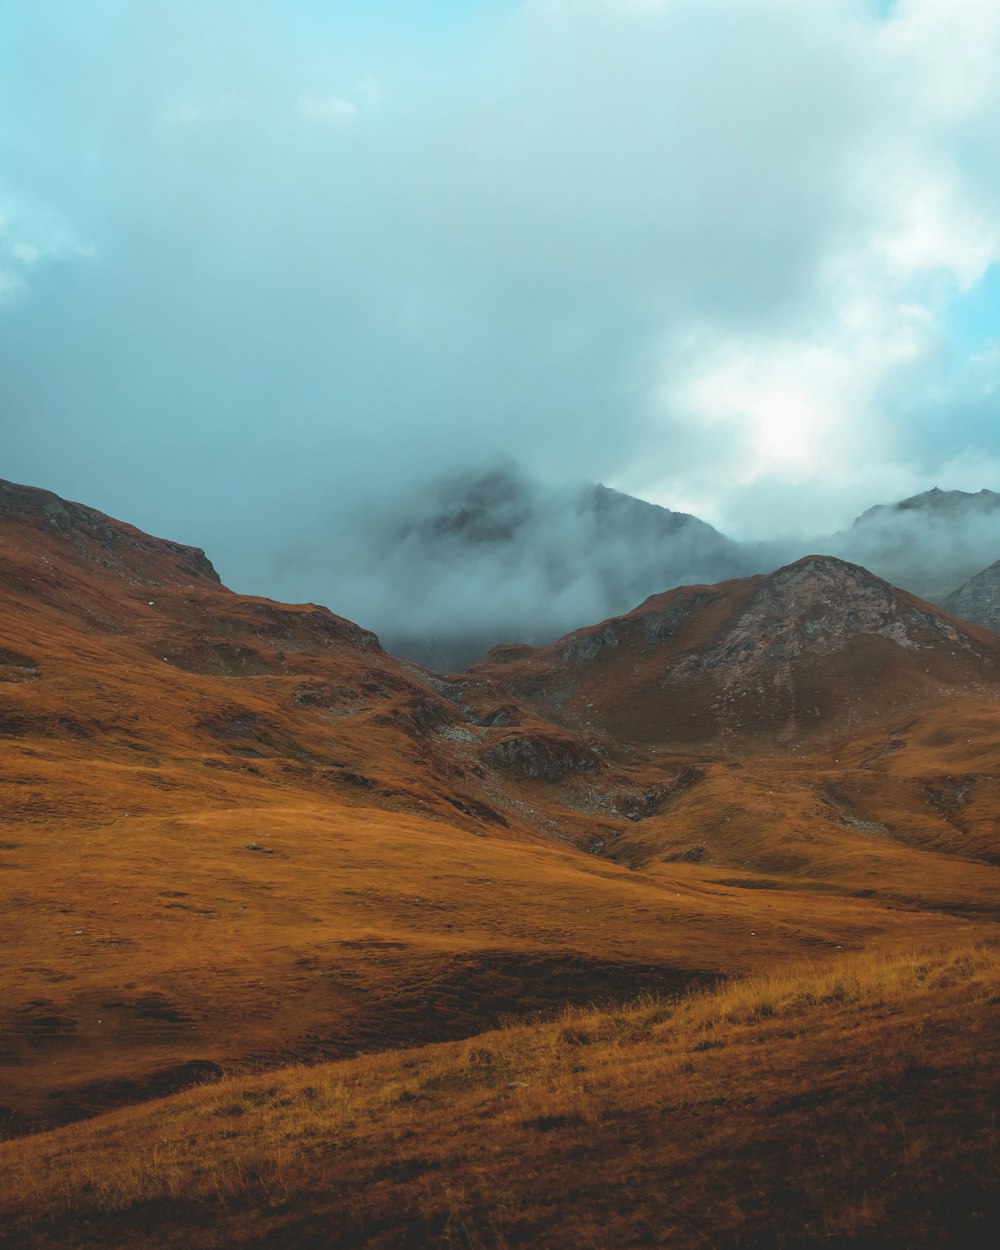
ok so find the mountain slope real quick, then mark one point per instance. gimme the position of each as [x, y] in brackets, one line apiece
[872, 1081]
[978, 599]
[818, 649]
[812, 724]
[236, 832]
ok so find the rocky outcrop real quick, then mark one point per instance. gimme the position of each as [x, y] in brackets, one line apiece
[816, 606]
[542, 756]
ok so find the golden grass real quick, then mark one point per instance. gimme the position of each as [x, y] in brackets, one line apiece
[864, 1088]
[155, 724]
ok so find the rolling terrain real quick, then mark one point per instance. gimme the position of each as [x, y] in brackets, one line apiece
[847, 1106]
[237, 835]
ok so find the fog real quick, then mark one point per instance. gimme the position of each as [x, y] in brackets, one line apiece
[476, 558]
[483, 557]
[930, 549]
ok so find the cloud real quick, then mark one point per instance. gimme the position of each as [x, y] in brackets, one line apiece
[31, 240]
[714, 254]
[334, 110]
[807, 400]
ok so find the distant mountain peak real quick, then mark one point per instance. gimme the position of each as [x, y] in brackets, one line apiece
[934, 502]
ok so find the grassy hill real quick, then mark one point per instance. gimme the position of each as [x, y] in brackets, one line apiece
[851, 1104]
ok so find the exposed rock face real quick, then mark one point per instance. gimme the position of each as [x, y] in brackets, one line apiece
[659, 626]
[978, 600]
[543, 756]
[816, 606]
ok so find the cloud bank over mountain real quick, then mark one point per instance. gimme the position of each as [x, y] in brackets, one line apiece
[448, 570]
[261, 267]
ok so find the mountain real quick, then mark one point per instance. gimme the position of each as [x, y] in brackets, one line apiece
[927, 543]
[978, 599]
[767, 716]
[239, 833]
[814, 650]
[933, 503]
[473, 559]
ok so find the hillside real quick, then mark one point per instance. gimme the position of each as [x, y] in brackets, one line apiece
[237, 835]
[222, 811]
[872, 1082]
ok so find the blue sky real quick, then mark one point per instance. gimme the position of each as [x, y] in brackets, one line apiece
[261, 261]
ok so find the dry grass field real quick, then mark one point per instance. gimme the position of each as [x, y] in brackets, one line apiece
[305, 946]
[850, 1104]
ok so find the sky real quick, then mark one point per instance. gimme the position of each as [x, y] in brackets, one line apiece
[264, 262]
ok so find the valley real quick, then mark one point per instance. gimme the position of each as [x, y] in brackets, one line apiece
[238, 837]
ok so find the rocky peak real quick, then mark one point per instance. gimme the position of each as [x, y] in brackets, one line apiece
[817, 606]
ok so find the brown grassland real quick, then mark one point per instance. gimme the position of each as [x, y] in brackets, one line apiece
[306, 947]
[849, 1104]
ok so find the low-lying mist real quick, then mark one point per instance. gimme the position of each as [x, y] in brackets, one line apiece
[493, 555]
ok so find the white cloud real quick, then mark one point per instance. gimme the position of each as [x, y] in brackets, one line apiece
[947, 51]
[704, 250]
[332, 109]
[803, 404]
[28, 238]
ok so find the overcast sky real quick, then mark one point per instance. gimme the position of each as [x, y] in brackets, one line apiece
[262, 258]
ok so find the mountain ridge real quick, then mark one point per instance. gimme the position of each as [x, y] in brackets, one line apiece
[978, 599]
